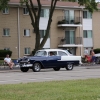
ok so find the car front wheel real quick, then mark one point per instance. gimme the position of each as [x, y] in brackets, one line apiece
[36, 67]
[69, 66]
[24, 69]
[56, 68]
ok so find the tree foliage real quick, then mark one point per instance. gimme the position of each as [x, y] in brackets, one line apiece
[3, 4]
[91, 5]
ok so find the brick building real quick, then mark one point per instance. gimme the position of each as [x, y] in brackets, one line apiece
[72, 28]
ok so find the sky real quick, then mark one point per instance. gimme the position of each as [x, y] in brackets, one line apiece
[97, 0]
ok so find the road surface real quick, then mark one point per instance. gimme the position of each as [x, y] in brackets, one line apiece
[16, 76]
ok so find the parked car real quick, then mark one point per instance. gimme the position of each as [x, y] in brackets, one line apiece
[97, 58]
[49, 58]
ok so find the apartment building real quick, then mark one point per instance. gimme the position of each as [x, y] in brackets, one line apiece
[72, 28]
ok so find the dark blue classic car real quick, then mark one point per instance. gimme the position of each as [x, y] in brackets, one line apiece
[49, 58]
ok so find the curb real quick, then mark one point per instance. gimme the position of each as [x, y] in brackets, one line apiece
[7, 67]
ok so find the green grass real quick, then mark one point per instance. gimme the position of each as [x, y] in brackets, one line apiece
[56, 90]
[1, 61]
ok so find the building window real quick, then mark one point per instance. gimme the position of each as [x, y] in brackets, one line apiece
[6, 11]
[70, 16]
[87, 14]
[26, 32]
[87, 33]
[44, 13]
[25, 11]
[42, 33]
[70, 37]
[6, 32]
[6, 48]
[27, 51]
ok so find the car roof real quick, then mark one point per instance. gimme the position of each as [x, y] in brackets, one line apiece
[51, 50]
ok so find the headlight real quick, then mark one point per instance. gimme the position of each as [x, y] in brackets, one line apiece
[17, 61]
[28, 60]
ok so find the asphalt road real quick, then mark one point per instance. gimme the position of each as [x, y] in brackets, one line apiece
[16, 76]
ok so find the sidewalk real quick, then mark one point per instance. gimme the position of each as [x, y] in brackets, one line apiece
[95, 66]
[7, 67]
[90, 66]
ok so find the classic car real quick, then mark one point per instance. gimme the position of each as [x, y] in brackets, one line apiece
[49, 58]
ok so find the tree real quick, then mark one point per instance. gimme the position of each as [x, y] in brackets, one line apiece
[3, 4]
[91, 5]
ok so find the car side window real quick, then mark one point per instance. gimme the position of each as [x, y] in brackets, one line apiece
[52, 53]
[60, 53]
[45, 53]
[41, 53]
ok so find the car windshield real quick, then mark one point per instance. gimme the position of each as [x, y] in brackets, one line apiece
[69, 52]
[40, 53]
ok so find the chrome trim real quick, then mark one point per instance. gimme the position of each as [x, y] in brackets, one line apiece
[26, 65]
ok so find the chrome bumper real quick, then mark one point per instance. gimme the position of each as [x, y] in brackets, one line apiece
[26, 65]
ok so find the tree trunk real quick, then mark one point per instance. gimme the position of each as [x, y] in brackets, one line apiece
[53, 4]
[35, 22]
[37, 40]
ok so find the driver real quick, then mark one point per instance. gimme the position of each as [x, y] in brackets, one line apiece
[51, 54]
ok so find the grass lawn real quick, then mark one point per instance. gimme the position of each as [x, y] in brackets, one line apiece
[56, 90]
[1, 61]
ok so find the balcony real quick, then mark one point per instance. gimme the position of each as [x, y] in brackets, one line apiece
[69, 42]
[69, 21]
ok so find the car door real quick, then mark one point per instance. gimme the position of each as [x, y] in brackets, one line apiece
[41, 56]
[52, 61]
[62, 62]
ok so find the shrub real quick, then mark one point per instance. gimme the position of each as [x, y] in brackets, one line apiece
[62, 22]
[3, 53]
[59, 22]
[33, 53]
[97, 50]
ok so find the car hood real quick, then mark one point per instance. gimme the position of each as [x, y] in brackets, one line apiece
[32, 57]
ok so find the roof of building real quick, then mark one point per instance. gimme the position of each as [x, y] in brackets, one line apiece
[48, 2]
[51, 50]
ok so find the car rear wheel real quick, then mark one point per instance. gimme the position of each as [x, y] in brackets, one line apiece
[69, 66]
[24, 69]
[56, 68]
[36, 67]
